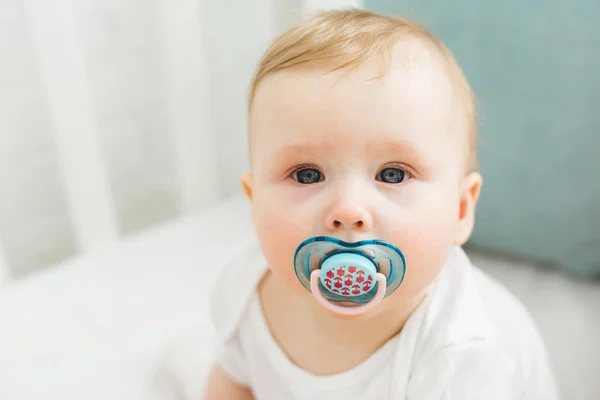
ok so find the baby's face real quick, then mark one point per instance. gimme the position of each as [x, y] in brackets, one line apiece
[356, 158]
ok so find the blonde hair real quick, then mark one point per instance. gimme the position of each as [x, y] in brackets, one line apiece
[345, 39]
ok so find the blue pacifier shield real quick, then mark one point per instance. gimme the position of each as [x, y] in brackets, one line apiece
[348, 270]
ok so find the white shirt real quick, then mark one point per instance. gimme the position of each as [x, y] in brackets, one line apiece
[469, 340]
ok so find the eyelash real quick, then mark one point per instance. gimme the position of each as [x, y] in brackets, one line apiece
[301, 167]
[409, 174]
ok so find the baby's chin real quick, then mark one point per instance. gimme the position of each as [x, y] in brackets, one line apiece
[349, 317]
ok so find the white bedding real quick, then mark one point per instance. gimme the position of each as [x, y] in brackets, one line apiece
[130, 322]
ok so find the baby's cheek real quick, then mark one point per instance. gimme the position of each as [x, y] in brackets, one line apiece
[425, 240]
[279, 234]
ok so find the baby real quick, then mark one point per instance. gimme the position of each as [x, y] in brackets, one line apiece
[363, 187]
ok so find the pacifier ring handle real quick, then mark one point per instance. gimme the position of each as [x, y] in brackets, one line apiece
[350, 311]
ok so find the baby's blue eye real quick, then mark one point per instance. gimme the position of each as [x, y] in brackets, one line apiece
[307, 176]
[391, 175]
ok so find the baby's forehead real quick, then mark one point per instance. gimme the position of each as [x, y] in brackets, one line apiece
[411, 79]
[412, 63]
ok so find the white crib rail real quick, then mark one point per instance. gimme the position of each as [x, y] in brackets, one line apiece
[187, 106]
[85, 179]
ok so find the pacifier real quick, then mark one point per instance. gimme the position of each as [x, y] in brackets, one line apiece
[359, 274]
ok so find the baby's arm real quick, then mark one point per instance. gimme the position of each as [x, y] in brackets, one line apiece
[221, 387]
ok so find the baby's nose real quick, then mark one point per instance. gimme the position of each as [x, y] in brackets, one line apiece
[349, 217]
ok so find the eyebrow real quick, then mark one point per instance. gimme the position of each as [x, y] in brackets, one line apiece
[300, 150]
[394, 146]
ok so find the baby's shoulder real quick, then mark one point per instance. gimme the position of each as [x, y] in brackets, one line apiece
[478, 306]
[235, 286]
[475, 323]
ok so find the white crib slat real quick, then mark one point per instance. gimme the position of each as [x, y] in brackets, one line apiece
[4, 267]
[61, 64]
[187, 94]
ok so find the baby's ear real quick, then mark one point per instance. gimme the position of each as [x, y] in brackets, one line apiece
[469, 194]
[246, 181]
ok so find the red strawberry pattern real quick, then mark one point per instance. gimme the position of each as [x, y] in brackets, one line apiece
[348, 280]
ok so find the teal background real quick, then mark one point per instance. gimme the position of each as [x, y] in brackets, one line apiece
[535, 68]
